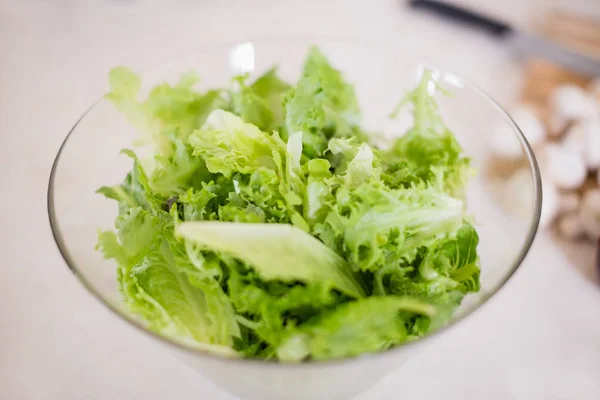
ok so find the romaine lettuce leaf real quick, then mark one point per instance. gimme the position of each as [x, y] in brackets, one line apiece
[356, 327]
[228, 144]
[376, 224]
[155, 286]
[135, 191]
[261, 103]
[179, 170]
[168, 108]
[428, 151]
[293, 254]
[170, 294]
[322, 105]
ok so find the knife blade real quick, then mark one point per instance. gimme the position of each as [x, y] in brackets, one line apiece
[520, 42]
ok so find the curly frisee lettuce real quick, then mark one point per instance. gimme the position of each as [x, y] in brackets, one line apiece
[268, 226]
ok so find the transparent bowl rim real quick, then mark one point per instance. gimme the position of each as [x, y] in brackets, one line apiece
[304, 40]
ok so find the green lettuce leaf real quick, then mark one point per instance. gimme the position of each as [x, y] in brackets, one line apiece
[168, 108]
[261, 103]
[357, 327]
[318, 195]
[454, 258]
[377, 224]
[228, 144]
[293, 254]
[135, 191]
[429, 151]
[322, 105]
[178, 171]
[270, 310]
[168, 292]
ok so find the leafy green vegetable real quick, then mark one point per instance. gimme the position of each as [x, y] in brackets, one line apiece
[322, 105]
[293, 255]
[353, 328]
[168, 108]
[135, 191]
[428, 152]
[228, 144]
[158, 288]
[268, 225]
[261, 102]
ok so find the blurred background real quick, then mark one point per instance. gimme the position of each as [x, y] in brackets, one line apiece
[538, 339]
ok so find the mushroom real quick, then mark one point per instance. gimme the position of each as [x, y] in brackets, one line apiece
[503, 141]
[518, 200]
[555, 203]
[583, 137]
[594, 89]
[568, 202]
[570, 226]
[591, 150]
[512, 192]
[568, 103]
[565, 166]
[530, 124]
[550, 204]
[589, 212]
[504, 144]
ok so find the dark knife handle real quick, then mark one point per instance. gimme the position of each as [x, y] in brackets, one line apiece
[464, 16]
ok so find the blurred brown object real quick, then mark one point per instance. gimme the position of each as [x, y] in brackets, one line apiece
[579, 32]
[542, 77]
[504, 168]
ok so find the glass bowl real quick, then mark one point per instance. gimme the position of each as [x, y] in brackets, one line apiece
[89, 158]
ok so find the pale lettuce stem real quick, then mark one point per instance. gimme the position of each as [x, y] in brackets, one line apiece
[421, 97]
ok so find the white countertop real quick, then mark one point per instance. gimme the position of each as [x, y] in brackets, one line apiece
[538, 339]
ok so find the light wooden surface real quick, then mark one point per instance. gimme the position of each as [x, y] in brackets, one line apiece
[578, 31]
[581, 32]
